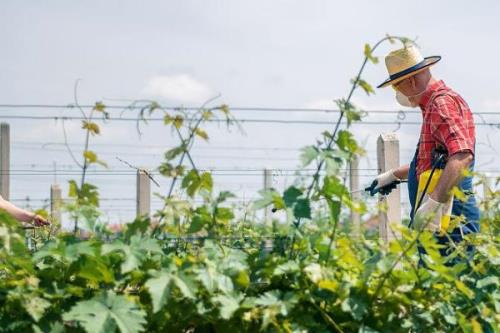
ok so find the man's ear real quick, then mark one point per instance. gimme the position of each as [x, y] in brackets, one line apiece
[413, 82]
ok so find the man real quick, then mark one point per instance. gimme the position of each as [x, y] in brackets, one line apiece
[21, 214]
[447, 124]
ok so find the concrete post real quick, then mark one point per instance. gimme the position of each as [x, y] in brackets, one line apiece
[143, 198]
[55, 204]
[5, 160]
[388, 158]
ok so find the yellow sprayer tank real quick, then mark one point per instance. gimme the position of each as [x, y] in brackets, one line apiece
[424, 177]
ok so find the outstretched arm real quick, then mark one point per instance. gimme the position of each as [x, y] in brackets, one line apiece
[387, 181]
[18, 213]
[21, 214]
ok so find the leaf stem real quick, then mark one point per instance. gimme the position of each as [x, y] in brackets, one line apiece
[326, 316]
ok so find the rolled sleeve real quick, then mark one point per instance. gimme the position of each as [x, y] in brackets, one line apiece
[450, 127]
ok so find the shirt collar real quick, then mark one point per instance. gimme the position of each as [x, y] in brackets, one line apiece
[429, 91]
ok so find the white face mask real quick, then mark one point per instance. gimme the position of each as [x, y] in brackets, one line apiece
[404, 100]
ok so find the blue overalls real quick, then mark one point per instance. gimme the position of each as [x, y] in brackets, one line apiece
[468, 209]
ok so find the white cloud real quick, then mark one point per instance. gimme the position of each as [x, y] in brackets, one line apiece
[181, 88]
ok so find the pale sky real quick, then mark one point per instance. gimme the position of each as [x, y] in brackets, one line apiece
[289, 54]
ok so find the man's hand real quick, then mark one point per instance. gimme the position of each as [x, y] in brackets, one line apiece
[383, 183]
[39, 221]
[429, 214]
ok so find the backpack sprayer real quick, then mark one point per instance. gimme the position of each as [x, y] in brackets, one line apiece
[427, 183]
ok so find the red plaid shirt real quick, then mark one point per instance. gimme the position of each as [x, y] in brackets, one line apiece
[447, 121]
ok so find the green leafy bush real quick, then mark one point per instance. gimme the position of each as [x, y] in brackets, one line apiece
[131, 284]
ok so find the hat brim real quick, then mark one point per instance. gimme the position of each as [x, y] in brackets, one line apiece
[395, 78]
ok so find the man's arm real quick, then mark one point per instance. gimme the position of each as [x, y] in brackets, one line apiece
[402, 171]
[451, 127]
[451, 176]
[387, 181]
[21, 214]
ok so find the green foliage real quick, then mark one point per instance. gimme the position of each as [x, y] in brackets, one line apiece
[291, 195]
[86, 195]
[134, 253]
[369, 55]
[168, 170]
[368, 89]
[177, 120]
[100, 107]
[106, 312]
[92, 127]
[350, 111]
[193, 182]
[309, 154]
[174, 152]
[133, 285]
[201, 133]
[91, 157]
[160, 288]
[346, 142]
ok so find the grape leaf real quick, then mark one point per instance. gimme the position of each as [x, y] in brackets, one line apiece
[99, 106]
[291, 195]
[309, 154]
[366, 87]
[93, 128]
[302, 209]
[369, 55]
[201, 133]
[106, 312]
[91, 157]
[228, 305]
[160, 288]
[36, 307]
[135, 253]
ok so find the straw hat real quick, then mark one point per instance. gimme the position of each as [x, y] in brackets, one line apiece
[404, 63]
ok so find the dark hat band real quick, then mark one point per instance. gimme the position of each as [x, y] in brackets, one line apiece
[408, 70]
